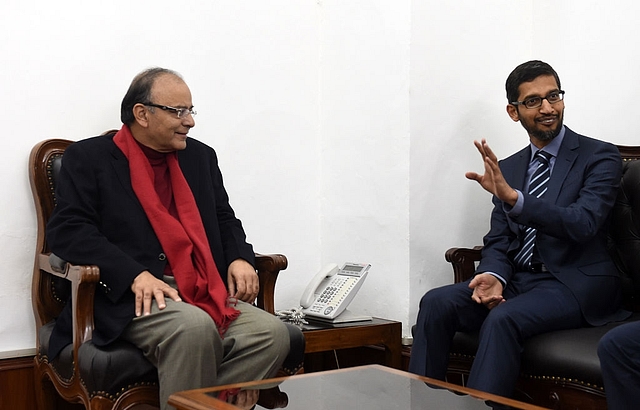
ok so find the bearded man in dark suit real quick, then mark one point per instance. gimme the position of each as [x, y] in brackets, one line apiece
[544, 263]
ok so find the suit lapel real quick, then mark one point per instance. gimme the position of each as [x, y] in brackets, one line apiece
[515, 173]
[566, 157]
[121, 167]
[517, 176]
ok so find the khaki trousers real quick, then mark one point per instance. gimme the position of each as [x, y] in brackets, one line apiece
[182, 341]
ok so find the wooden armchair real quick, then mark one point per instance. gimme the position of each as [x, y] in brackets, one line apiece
[561, 369]
[113, 377]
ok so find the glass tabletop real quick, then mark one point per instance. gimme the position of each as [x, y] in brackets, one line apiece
[366, 387]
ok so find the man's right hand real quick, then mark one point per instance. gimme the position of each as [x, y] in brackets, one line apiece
[147, 287]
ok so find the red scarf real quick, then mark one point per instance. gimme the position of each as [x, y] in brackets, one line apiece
[183, 240]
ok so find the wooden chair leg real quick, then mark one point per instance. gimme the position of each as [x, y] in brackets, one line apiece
[46, 395]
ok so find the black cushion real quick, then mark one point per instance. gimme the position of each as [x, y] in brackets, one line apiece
[624, 233]
[566, 354]
[63, 363]
[465, 344]
[569, 354]
[295, 359]
[121, 365]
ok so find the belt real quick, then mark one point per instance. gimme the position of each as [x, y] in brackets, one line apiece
[538, 268]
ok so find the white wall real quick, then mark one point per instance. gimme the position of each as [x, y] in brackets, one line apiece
[344, 128]
[364, 127]
[461, 55]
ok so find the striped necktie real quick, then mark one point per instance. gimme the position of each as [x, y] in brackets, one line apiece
[537, 188]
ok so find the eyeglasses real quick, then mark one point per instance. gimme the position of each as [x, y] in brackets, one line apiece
[181, 112]
[535, 102]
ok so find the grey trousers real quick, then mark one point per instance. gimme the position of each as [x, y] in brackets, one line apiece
[182, 341]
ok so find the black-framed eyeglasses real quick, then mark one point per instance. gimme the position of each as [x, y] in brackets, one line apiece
[181, 112]
[535, 102]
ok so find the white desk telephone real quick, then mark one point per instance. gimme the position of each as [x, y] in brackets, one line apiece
[332, 289]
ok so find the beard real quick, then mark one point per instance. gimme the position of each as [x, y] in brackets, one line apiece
[540, 134]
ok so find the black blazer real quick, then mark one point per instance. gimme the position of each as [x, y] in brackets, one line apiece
[99, 220]
[572, 222]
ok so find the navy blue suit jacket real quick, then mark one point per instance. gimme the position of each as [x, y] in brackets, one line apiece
[572, 223]
[99, 220]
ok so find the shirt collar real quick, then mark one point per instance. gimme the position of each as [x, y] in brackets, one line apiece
[552, 148]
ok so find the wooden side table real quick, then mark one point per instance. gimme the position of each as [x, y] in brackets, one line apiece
[321, 337]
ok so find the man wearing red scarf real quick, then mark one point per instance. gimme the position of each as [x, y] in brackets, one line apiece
[148, 206]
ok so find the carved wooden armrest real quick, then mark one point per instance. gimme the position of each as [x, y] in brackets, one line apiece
[268, 267]
[84, 279]
[463, 261]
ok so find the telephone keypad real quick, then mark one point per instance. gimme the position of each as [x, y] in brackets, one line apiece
[332, 294]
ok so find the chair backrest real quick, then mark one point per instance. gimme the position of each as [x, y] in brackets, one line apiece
[48, 293]
[624, 233]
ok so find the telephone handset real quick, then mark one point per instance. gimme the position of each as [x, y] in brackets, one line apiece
[332, 289]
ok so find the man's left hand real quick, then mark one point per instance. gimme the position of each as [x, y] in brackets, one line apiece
[243, 281]
[487, 290]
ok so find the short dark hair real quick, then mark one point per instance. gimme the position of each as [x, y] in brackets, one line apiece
[140, 91]
[525, 73]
